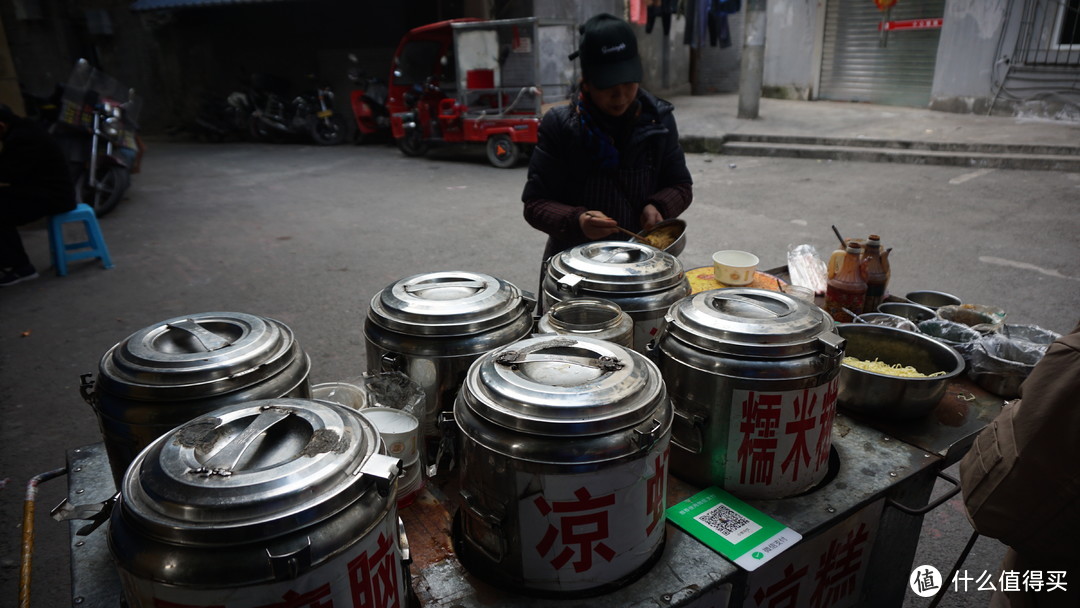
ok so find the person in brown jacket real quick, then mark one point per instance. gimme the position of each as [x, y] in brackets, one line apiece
[1021, 483]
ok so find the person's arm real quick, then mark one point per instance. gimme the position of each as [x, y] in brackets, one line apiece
[676, 190]
[1019, 478]
[545, 189]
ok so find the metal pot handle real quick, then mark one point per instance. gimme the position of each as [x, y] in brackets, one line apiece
[209, 340]
[930, 506]
[693, 422]
[492, 521]
[646, 439]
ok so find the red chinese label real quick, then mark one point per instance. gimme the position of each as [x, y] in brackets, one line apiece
[781, 440]
[825, 571]
[579, 531]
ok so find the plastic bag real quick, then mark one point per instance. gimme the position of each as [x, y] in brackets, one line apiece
[1030, 333]
[396, 390]
[806, 268]
[981, 318]
[997, 354]
[957, 335]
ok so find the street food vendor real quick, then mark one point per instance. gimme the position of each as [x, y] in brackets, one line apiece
[609, 158]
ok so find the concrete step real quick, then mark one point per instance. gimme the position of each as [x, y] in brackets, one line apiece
[995, 156]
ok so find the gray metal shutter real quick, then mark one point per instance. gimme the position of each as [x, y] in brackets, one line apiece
[854, 65]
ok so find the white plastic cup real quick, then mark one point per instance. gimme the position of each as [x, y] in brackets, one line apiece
[398, 430]
[343, 393]
[734, 267]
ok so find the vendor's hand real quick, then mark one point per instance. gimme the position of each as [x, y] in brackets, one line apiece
[650, 216]
[595, 225]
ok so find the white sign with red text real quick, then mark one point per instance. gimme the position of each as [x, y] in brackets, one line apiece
[368, 574]
[825, 571]
[585, 530]
[779, 441]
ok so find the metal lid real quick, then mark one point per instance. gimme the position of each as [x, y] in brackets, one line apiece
[198, 355]
[447, 304]
[749, 321]
[255, 470]
[615, 266]
[563, 386]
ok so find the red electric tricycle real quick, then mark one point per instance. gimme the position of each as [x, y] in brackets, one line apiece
[481, 81]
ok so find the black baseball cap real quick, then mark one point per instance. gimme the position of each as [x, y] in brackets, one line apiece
[608, 51]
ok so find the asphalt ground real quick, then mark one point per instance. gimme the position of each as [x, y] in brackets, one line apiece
[308, 235]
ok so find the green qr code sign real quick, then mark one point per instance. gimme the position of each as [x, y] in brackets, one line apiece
[732, 528]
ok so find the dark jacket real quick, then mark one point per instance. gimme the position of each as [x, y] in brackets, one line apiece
[1020, 479]
[565, 177]
[35, 169]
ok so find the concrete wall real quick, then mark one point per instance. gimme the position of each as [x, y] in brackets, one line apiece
[980, 68]
[967, 51]
[666, 60]
[792, 40]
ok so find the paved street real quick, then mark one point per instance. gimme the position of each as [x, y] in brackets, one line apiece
[308, 235]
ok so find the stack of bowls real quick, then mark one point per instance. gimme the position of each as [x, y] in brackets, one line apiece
[400, 432]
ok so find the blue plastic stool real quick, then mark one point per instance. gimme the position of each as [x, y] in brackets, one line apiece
[92, 247]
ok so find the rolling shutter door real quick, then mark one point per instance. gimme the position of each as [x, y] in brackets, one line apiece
[854, 65]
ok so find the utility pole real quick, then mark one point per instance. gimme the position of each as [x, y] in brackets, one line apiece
[752, 64]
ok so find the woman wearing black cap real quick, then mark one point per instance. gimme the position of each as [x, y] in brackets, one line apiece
[610, 158]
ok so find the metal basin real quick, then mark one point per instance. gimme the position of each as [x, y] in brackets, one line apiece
[915, 313]
[894, 397]
[673, 226]
[933, 299]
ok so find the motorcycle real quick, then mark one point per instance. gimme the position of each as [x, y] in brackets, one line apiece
[100, 134]
[368, 103]
[221, 119]
[311, 113]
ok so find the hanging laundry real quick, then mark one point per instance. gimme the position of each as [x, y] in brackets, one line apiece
[717, 21]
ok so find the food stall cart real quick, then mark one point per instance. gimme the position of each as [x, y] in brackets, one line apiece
[852, 524]
[860, 526]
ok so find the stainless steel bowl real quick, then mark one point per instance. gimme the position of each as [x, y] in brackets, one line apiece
[912, 312]
[933, 299]
[881, 318]
[677, 246]
[894, 397]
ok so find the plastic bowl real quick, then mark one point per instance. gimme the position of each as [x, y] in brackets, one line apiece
[912, 312]
[894, 397]
[933, 299]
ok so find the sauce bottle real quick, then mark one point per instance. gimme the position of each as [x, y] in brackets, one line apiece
[875, 269]
[846, 287]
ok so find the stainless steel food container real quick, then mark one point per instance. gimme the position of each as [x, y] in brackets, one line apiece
[642, 280]
[588, 317]
[564, 447]
[753, 377]
[172, 371]
[432, 326]
[260, 502]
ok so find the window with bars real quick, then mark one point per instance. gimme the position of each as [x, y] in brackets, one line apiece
[1050, 33]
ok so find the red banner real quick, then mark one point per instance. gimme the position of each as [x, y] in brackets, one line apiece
[884, 4]
[911, 24]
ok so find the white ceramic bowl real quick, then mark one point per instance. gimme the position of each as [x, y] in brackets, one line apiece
[733, 267]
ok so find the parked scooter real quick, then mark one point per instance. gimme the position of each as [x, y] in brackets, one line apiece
[368, 103]
[222, 119]
[99, 132]
[310, 113]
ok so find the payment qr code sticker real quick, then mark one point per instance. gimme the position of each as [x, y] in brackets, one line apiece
[729, 524]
